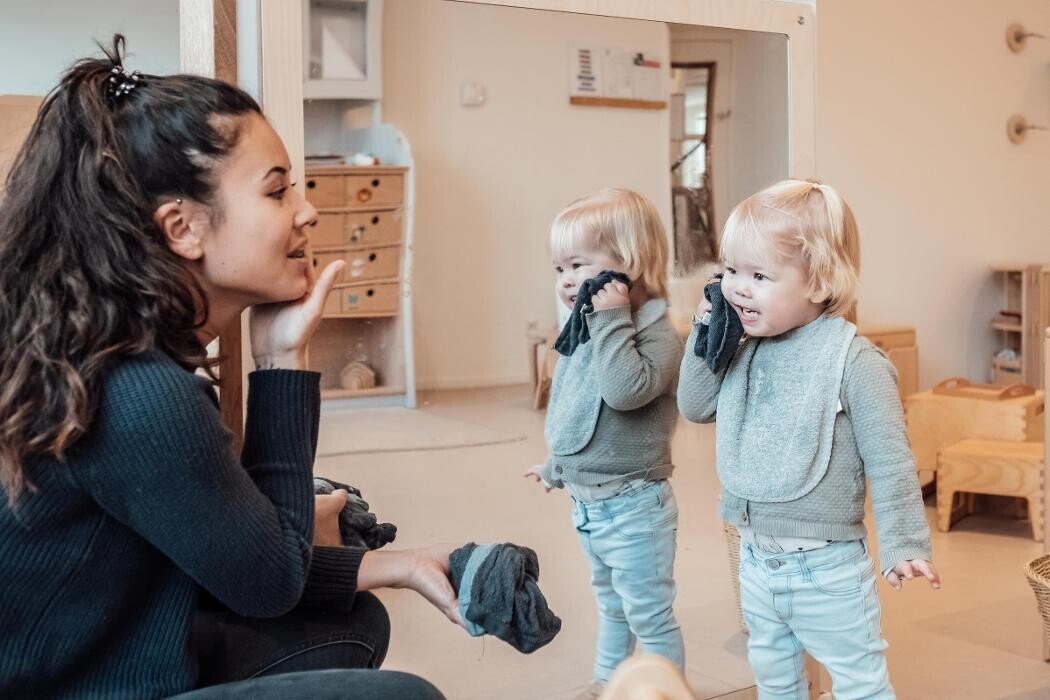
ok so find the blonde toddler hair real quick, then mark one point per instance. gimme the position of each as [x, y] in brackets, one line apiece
[620, 222]
[801, 220]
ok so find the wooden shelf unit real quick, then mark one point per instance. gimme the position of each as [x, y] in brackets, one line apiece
[1025, 294]
[361, 221]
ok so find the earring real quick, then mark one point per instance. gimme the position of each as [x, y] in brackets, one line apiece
[178, 200]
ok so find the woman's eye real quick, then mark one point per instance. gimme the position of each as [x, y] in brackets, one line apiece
[278, 194]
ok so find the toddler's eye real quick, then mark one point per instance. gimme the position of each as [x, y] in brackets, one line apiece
[759, 276]
[730, 271]
[576, 266]
[557, 268]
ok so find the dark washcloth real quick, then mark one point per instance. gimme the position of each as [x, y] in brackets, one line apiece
[358, 527]
[575, 332]
[499, 594]
[720, 330]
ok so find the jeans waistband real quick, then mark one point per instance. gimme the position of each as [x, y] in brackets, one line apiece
[790, 563]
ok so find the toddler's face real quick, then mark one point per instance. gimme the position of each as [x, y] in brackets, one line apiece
[578, 264]
[769, 297]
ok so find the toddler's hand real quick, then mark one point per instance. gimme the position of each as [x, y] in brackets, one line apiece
[908, 570]
[702, 308]
[534, 472]
[611, 295]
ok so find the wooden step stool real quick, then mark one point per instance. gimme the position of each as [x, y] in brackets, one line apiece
[994, 467]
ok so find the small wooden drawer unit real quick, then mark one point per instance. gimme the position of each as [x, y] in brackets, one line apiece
[355, 188]
[363, 264]
[378, 299]
[356, 228]
[360, 220]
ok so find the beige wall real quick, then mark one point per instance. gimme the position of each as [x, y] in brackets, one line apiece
[912, 103]
[490, 179]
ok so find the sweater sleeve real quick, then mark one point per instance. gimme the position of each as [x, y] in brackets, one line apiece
[160, 461]
[698, 386]
[631, 368]
[874, 409]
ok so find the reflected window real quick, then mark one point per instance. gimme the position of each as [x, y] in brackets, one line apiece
[692, 202]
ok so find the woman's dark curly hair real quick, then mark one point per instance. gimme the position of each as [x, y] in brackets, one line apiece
[87, 277]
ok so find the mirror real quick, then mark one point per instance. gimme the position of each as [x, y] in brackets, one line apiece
[477, 106]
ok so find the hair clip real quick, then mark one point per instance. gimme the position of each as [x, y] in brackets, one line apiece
[121, 82]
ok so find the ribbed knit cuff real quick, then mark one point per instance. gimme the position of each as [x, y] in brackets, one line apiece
[598, 320]
[332, 580]
[283, 413]
[889, 558]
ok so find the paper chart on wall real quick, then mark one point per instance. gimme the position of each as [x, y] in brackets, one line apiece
[614, 73]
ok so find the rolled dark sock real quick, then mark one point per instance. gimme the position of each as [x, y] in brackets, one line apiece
[574, 333]
[718, 339]
[499, 594]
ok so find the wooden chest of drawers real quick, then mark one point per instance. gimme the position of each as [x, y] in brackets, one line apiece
[360, 220]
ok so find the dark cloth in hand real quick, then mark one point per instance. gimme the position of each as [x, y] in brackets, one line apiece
[358, 527]
[575, 332]
[504, 597]
[718, 339]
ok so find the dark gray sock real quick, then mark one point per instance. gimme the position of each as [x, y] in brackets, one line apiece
[718, 339]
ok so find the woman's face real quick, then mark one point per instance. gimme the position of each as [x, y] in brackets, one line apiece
[253, 241]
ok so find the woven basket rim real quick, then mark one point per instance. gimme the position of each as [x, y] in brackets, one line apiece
[1038, 571]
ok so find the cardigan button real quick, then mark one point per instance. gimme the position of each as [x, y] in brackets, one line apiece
[557, 470]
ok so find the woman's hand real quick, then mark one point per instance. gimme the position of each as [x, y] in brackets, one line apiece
[280, 331]
[430, 578]
[327, 507]
[424, 570]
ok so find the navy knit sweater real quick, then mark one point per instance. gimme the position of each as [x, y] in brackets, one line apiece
[101, 566]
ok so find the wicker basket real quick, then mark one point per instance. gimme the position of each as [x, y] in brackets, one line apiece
[1038, 573]
[733, 544]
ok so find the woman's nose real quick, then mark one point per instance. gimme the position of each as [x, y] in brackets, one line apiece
[306, 214]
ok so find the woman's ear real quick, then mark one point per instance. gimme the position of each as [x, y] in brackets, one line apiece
[173, 219]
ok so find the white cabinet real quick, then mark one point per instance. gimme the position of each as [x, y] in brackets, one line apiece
[342, 57]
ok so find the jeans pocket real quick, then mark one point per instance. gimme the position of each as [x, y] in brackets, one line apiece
[844, 578]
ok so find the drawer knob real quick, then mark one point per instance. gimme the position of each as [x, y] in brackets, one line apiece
[375, 183]
[372, 257]
[364, 194]
[375, 220]
[370, 292]
[310, 184]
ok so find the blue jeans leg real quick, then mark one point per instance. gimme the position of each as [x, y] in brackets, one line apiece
[823, 601]
[629, 541]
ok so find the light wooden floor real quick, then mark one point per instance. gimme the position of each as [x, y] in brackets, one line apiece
[977, 638]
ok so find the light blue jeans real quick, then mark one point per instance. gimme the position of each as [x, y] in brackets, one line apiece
[629, 541]
[822, 601]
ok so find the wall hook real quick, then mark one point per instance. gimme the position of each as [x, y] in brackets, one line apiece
[1017, 128]
[1017, 37]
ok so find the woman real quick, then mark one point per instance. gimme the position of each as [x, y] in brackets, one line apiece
[142, 214]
